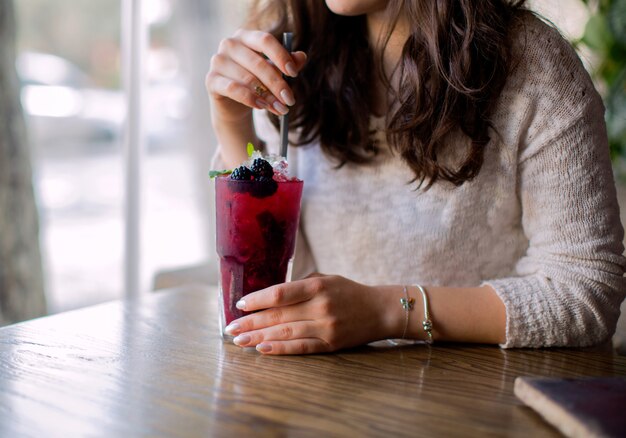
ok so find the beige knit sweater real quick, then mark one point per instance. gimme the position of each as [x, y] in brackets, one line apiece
[540, 223]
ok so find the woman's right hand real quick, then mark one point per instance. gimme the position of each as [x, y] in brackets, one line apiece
[246, 73]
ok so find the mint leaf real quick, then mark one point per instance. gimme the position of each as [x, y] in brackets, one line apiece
[216, 173]
[250, 149]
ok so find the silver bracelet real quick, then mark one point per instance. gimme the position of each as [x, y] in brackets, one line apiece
[427, 323]
[407, 304]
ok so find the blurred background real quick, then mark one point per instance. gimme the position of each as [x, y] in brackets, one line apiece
[68, 61]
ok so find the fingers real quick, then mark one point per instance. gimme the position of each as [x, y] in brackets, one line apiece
[265, 43]
[300, 59]
[297, 337]
[233, 81]
[264, 319]
[279, 304]
[286, 319]
[280, 332]
[280, 295]
[264, 73]
[224, 86]
[248, 69]
[294, 346]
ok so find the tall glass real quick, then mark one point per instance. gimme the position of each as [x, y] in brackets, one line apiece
[256, 236]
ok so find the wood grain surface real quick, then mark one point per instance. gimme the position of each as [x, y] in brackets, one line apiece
[158, 367]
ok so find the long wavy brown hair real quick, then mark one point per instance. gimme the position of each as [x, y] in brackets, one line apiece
[453, 67]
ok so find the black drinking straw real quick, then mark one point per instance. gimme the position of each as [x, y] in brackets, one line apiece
[284, 120]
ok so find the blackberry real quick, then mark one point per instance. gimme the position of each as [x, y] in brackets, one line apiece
[242, 173]
[263, 186]
[261, 168]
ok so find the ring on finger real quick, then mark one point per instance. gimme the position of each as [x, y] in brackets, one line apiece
[260, 90]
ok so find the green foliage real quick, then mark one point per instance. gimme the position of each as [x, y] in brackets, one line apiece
[605, 35]
[216, 173]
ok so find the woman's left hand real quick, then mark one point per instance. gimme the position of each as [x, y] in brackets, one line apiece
[318, 314]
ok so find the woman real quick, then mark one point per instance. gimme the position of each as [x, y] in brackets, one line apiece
[455, 160]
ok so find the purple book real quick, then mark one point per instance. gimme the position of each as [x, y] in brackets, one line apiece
[581, 407]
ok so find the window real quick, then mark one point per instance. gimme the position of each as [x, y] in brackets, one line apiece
[70, 70]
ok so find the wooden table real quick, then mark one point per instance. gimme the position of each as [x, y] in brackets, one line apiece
[157, 367]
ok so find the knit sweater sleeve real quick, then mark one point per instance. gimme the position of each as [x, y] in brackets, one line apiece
[567, 288]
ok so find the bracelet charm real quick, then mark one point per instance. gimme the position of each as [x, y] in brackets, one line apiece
[407, 304]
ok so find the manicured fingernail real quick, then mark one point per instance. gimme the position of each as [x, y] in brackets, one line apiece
[232, 329]
[280, 107]
[261, 103]
[241, 304]
[291, 69]
[287, 97]
[263, 348]
[241, 340]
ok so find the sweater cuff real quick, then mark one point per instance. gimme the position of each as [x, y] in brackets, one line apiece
[526, 310]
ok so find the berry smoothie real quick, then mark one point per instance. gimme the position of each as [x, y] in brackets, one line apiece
[257, 219]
